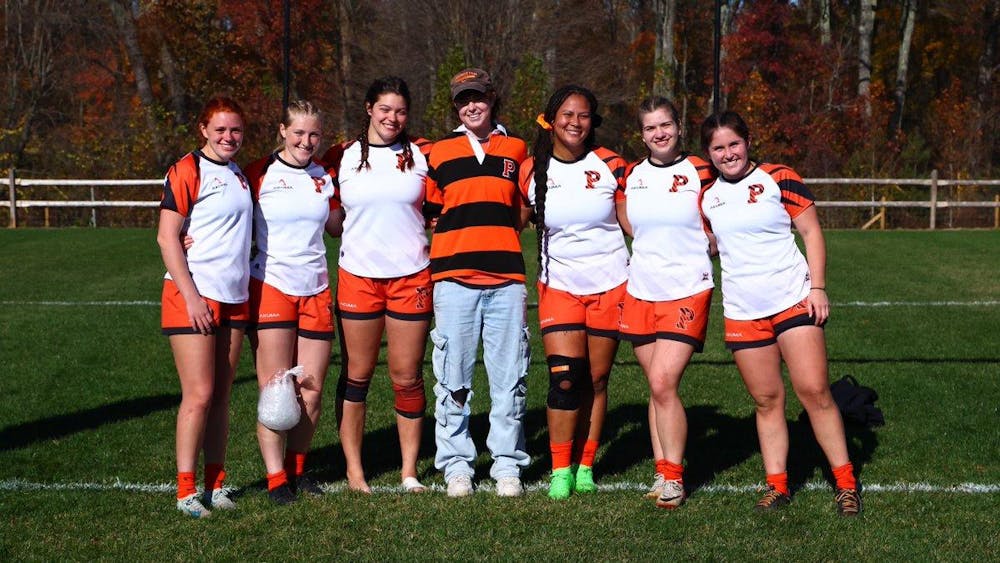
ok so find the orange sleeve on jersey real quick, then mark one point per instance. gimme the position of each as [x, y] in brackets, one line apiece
[520, 152]
[524, 179]
[180, 188]
[705, 224]
[424, 145]
[255, 175]
[706, 172]
[331, 158]
[795, 196]
[618, 167]
[431, 192]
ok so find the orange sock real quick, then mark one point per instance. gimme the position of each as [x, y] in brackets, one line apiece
[214, 476]
[779, 481]
[561, 454]
[589, 451]
[671, 471]
[844, 476]
[185, 484]
[295, 463]
[661, 466]
[275, 480]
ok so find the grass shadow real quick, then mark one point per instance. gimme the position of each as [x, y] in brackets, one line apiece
[806, 457]
[25, 434]
[716, 442]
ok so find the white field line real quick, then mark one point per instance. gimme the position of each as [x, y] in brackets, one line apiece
[986, 303]
[917, 304]
[627, 486]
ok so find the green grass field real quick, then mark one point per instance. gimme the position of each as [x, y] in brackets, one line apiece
[88, 397]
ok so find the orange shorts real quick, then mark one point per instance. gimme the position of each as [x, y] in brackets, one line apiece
[174, 316]
[270, 308]
[683, 320]
[408, 298]
[758, 333]
[599, 313]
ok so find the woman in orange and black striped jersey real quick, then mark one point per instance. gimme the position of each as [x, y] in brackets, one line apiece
[574, 190]
[479, 289]
[774, 301]
[384, 282]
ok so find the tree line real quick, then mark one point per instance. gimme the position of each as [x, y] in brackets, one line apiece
[890, 88]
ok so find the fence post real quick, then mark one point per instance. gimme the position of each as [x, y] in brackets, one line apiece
[93, 210]
[934, 198]
[13, 200]
[881, 222]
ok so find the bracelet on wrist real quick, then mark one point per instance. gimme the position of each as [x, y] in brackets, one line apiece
[819, 288]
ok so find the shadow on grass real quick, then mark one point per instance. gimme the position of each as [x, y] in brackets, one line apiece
[22, 435]
[716, 443]
[380, 451]
[806, 457]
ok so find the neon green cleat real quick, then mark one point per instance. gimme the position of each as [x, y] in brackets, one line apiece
[584, 479]
[561, 484]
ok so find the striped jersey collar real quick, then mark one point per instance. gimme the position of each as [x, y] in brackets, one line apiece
[477, 147]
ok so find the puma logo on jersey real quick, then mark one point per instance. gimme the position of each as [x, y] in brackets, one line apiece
[679, 180]
[216, 184]
[593, 176]
[755, 190]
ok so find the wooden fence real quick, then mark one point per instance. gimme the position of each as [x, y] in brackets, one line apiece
[19, 187]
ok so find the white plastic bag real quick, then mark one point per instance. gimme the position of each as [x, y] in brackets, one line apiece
[277, 407]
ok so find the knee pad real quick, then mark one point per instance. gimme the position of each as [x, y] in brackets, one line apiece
[565, 375]
[410, 399]
[352, 390]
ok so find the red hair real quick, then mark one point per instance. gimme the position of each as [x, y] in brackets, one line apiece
[219, 104]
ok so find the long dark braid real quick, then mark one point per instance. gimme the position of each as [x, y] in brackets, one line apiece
[385, 85]
[542, 153]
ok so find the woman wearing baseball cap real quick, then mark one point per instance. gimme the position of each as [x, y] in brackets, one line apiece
[479, 290]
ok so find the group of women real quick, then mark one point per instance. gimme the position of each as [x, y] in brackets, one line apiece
[477, 189]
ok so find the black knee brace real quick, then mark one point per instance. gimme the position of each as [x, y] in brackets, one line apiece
[564, 376]
[352, 390]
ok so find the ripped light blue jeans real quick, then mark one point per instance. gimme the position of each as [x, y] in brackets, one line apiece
[461, 315]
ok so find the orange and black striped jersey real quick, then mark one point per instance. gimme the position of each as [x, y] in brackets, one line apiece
[476, 240]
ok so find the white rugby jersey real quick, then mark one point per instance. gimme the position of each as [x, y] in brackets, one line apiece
[384, 233]
[214, 198]
[763, 271]
[292, 204]
[669, 246]
[586, 251]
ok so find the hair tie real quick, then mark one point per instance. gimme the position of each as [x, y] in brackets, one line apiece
[542, 123]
